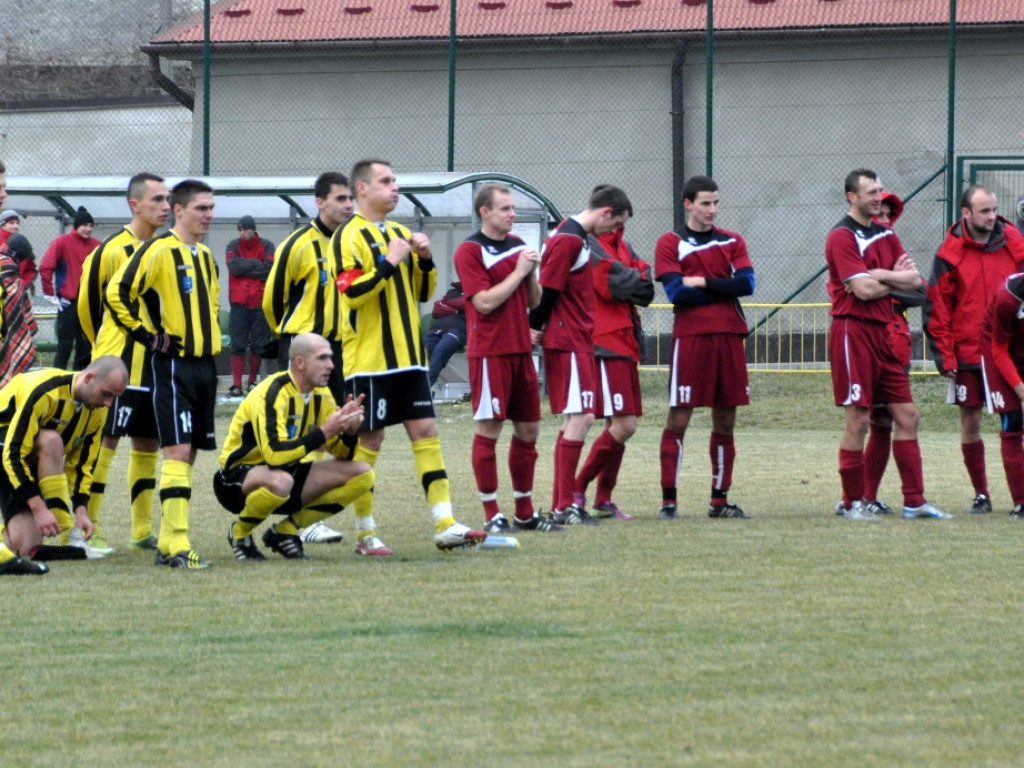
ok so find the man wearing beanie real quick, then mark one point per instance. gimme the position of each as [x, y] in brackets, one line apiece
[10, 224]
[249, 259]
[60, 273]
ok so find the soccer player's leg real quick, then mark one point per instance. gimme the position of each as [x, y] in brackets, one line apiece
[522, 393]
[1011, 445]
[731, 390]
[969, 394]
[488, 412]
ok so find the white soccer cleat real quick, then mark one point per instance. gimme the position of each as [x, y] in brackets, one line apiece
[320, 533]
[858, 513]
[458, 535]
[76, 539]
[925, 511]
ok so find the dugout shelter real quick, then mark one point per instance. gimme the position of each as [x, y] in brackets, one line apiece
[438, 204]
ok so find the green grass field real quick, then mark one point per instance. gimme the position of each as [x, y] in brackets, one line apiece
[792, 639]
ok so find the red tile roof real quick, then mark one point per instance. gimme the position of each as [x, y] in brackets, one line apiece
[264, 21]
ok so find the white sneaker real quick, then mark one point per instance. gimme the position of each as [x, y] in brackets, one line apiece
[458, 535]
[858, 513]
[320, 533]
[926, 510]
[76, 539]
[371, 546]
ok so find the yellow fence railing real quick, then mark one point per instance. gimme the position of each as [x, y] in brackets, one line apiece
[784, 338]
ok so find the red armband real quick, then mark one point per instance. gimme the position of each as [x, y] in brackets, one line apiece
[345, 279]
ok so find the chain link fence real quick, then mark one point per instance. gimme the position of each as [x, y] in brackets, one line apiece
[85, 91]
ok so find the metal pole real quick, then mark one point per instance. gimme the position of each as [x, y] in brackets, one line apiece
[451, 88]
[950, 118]
[709, 78]
[206, 87]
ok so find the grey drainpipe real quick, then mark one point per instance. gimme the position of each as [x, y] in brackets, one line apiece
[678, 149]
[178, 94]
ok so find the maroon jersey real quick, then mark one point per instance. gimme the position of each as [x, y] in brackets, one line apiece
[1004, 329]
[851, 250]
[713, 254]
[483, 263]
[565, 267]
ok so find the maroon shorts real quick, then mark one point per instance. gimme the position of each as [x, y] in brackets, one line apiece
[900, 333]
[571, 380]
[618, 392]
[865, 370]
[709, 370]
[504, 387]
[966, 389]
[999, 395]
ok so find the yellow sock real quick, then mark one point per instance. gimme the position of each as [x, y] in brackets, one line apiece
[332, 502]
[6, 553]
[55, 492]
[430, 470]
[142, 488]
[175, 495]
[99, 484]
[259, 505]
[362, 507]
[287, 527]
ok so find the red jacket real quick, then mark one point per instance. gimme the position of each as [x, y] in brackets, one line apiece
[621, 283]
[60, 271]
[249, 262]
[965, 276]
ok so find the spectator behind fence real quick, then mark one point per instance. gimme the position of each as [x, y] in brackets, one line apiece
[249, 258]
[60, 274]
[447, 334]
[10, 224]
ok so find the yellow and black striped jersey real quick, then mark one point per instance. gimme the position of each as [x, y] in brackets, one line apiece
[380, 304]
[300, 296]
[98, 325]
[43, 399]
[170, 287]
[277, 425]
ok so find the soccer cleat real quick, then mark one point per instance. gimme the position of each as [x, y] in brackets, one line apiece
[1017, 513]
[235, 391]
[839, 508]
[149, 542]
[188, 560]
[244, 548]
[610, 509]
[497, 524]
[878, 508]
[727, 510]
[251, 387]
[981, 505]
[161, 558]
[76, 539]
[320, 533]
[286, 545]
[19, 566]
[99, 543]
[458, 535]
[536, 523]
[371, 546]
[925, 511]
[668, 512]
[572, 515]
[858, 513]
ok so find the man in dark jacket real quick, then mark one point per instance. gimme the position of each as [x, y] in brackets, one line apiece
[447, 334]
[249, 259]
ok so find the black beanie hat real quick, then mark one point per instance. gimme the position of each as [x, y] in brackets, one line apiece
[82, 217]
[19, 247]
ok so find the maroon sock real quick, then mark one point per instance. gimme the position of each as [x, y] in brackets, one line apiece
[254, 367]
[876, 456]
[522, 461]
[974, 460]
[671, 455]
[237, 365]
[851, 475]
[608, 477]
[485, 470]
[600, 453]
[568, 460]
[722, 450]
[908, 461]
[1012, 449]
[556, 470]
